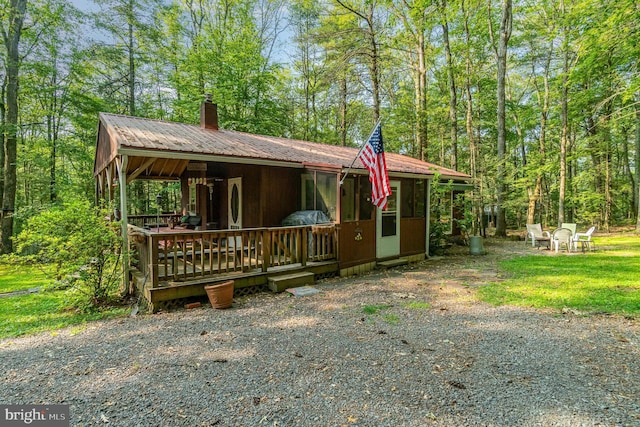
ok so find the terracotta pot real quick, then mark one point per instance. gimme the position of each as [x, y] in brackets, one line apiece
[220, 295]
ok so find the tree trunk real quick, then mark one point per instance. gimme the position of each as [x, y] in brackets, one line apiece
[421, 98]
[132, 63]
[543, 100]
[53, 140]
[3, 122]
[476, 201]
[373, 57]
[453, 101]
[564, 113]
[637, 155]
[343, 110]
[505, 34]
[11, 37]
[627, 169]
[374, 70]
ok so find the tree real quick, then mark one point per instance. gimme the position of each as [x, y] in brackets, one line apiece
[501, 57]
[11, 33]
[453, 97]
[369, 49]
[414, 40]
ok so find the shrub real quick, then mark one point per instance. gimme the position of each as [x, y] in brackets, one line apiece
[82, 245]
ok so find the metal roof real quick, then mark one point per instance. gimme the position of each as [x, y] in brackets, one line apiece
[142, 137]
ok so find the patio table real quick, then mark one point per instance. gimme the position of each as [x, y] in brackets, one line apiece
[546, 241]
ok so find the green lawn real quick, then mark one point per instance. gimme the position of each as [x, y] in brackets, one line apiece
[604, 281]
[46, 310]
[17, 278]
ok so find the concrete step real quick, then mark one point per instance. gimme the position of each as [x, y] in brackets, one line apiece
[294, 280]
[393, 263]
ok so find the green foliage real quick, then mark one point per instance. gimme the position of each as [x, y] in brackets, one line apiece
[600, 282]
[441, 221]
[81, 245]
[160, 57]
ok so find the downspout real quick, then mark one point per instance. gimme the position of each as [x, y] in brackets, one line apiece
[428, 217]
[122, 178]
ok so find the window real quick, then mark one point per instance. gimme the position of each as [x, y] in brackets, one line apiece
[326, 197]
[308, 193]
[319, 192]
[349, 199]
[413, 199]
[364, 196]
[420, 198]
[408, 199]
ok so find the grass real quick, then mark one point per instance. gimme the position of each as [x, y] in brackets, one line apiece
[46, 310]
[605, 281]
[375, 308]
[18, 278]
[418, 305]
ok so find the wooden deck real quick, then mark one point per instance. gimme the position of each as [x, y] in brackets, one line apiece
[172, 265]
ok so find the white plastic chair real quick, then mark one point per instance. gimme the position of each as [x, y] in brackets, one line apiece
[559, 237]
[571, 226]
[535, 233]
[584, 239]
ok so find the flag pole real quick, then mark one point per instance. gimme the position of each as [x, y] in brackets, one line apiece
[358, 155]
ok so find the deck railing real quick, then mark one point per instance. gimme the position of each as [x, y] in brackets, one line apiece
[143, 220]
[171, 255]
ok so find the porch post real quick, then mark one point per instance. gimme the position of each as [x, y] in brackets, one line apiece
[122, 179]
[428, 216]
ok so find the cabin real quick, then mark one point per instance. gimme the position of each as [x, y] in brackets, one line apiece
[236, 190]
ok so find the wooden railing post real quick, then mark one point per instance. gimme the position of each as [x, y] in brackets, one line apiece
[304, 244]
[153, 260]
[266, 250]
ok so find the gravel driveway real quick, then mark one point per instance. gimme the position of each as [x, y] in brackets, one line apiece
[404, 347]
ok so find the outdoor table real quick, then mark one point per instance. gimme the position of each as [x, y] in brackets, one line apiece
[546, 241]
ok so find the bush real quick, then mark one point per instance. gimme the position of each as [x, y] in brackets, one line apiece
[82, 245]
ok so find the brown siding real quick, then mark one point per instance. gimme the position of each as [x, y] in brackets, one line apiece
[280, 194]
[412, 235]
[268, 193]
[105, 150]
[353, 252]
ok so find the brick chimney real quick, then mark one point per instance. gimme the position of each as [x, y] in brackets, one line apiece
[208, 114]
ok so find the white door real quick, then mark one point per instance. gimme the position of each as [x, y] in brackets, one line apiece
[235, 203]
[388, 225]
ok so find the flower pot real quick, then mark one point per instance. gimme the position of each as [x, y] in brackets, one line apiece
[220, 295]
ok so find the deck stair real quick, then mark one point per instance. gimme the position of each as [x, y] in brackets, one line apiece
[393, 263]
[294, 280]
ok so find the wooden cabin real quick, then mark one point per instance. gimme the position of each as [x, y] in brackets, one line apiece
[239, 187]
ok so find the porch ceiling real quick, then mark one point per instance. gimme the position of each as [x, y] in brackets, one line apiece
[155, 168]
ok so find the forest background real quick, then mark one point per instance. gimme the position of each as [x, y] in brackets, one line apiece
[537, 100]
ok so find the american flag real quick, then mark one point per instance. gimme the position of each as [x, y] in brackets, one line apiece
[372, 157]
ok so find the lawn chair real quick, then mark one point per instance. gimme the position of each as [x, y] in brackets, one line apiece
[535, 233]
[584, 239]
[571, 226]
[561, 236]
